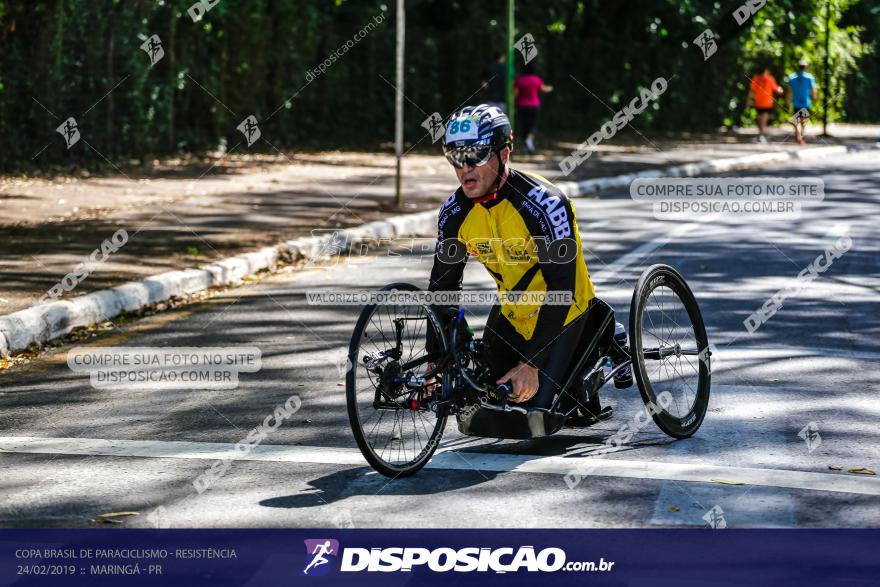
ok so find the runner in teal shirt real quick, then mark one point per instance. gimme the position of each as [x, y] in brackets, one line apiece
[801, 93]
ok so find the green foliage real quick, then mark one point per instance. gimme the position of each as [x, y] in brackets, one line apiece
[61, 58]
[863, 84]
[784, 32]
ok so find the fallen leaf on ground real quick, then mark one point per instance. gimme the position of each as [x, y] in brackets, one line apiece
[726, 482]
[862, 471]
[118, 514]
[673, 509]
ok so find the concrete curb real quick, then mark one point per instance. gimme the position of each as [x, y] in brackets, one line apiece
[50, 320]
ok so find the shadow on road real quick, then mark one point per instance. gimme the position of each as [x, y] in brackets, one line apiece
[363, 481]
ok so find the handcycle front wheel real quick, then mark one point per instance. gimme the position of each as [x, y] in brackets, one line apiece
[669, 351]
[395, 435]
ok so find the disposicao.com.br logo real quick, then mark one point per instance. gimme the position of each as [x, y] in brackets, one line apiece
[318, 550]
[444, 559]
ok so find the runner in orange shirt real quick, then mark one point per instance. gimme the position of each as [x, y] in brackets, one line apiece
[761, 94]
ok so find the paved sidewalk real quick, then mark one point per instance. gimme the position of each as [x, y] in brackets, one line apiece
[186, 214]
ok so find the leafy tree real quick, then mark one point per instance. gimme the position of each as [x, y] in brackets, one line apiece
[320, 74]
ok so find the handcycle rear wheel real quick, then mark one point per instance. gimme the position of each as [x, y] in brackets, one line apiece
[396, 437]
[669, 351]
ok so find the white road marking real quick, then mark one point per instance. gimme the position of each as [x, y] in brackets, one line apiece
[595, 225]
[452, 460]
[610, 271]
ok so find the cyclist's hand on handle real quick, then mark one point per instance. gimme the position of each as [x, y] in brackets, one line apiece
[524, 379]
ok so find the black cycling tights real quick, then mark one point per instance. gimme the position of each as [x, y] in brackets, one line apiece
[503, 350]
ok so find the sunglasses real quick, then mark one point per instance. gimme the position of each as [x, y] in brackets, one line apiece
[471, 155]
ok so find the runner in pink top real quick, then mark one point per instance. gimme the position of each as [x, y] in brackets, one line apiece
[527, 88]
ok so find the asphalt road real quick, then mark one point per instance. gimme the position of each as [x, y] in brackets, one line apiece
[70, 452]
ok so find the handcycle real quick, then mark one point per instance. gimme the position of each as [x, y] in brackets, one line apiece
[398, 409]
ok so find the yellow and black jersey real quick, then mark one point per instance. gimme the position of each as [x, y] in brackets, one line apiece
[526, 237]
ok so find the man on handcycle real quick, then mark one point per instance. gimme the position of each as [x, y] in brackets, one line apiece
[524, 231]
